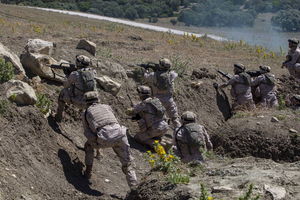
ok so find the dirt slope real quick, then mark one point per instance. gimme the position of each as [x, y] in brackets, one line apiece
[43, 160]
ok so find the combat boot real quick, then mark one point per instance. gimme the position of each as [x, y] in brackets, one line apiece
[88, 171]
[59, 112]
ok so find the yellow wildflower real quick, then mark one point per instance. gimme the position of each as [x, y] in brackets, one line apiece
[156, 141]
[149, 152]
[152, 162]
[210, 198]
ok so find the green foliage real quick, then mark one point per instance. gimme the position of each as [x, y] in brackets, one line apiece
[281, 102]
[178, 178]
[6, 71]
[249, 194]
[3, 106]
[204, 194]
[287, 20]
[43, 103]
[179, 65]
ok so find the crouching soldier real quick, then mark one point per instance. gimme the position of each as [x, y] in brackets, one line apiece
[240, 88]
[293, 101]
[162, 84]
[191, 139]
[265, 84]
[102, 130]
[151, 121]
[77, 83]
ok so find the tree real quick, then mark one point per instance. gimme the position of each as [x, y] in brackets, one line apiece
[287, 20]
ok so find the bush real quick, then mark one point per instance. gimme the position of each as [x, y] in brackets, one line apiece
[6, 71]
[43, 103]
[288, 20]
[3, 106]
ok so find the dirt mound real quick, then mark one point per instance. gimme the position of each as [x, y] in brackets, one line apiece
[259, 137]
[154, 189]
[288, 85]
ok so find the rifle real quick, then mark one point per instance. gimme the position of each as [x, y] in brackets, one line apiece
[254, 73]
[149, 65]
[226, 75]
[66, 67]
[288, 59]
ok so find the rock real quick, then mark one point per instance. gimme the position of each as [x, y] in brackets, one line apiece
[196, 84]
[20, 93]
[203, 73]
[135, 38]
[88, 46]
[38, 65]
[106, 180]
[111, 69]
[293, 130]
[39, 46]
[276, 191]
[108, 84]
[13, 58]
[274, 119]
[222, 189]
[36, 79]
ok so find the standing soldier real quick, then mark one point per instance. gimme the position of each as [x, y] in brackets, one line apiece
[191, 139]
[266, 87]
[152, 121]
[240, 88]
[162, 84]
[102, 130]
[77, 83]
[293, 59]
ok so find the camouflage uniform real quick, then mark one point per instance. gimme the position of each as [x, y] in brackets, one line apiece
[102, 130]
[241, 89]
[164, 95]
[266, 87]
[152, 125]
[293, 64]
[73, 90]
[293, 102]
[191, 139]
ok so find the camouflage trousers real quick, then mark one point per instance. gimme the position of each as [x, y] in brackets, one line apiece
[171, 109]
[155, 132]
[295, 71]
[119, 145]
[188, 153]
[269, 100]
[243, 104]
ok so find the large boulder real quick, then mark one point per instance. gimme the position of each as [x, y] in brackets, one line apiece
[20, 92]
[111, 69]
[108, 85]
[38, 64]
[39, 46]
[88, 46]
[9, 56]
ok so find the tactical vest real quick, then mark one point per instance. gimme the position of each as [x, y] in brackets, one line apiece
[99, 115]
[246, 78]
[159, 109]
[163, 80]
[193, 135]
[87, 78]
[269, 79]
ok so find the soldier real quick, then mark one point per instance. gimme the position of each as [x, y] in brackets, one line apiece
[162, 83]
[240, 88]
[77, 83]
[152, 122]
[102, 130]
[266, 87]
[293, 59]
[293, 102]
[191, 139]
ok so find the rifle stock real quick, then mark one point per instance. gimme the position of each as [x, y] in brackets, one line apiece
[66, 67]
[226, 75]
[149, 65]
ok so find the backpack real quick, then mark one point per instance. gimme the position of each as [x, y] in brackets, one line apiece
[246, 78]
[88, 80]
[269, 79]
[194, 136]
[158, 107]
[163, 81]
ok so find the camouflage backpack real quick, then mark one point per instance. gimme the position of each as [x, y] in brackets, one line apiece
[193, 136]
[87, 80]
[246, 78]
[163, 81]
[269, 79]
[158, 107]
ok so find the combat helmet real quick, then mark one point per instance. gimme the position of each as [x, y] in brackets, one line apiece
[188, 116]
[144, 90]
[91, 97]
[82, 61]
[296, 97]
[293, 41]
[239, 66]
[164, 64]
[265, 68]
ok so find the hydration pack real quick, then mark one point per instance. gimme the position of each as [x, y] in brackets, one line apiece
[246, 78]
[194, 136]
[158, 107]
[87, 80]
[163, 81]
[269, 79]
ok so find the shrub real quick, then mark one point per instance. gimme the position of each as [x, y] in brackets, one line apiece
[43, 103]
[288, 20]
[6, 71]
[3, 106]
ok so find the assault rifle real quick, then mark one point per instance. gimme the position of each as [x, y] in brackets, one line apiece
[252, 73]
[66, 67]
[149, 65]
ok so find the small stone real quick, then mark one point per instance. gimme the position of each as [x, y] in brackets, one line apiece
[274, 119]
[13, 175]
[277, 192]
[258, 123]
[293, 130]
[222, 189]
[260, 116]
[107, 180]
